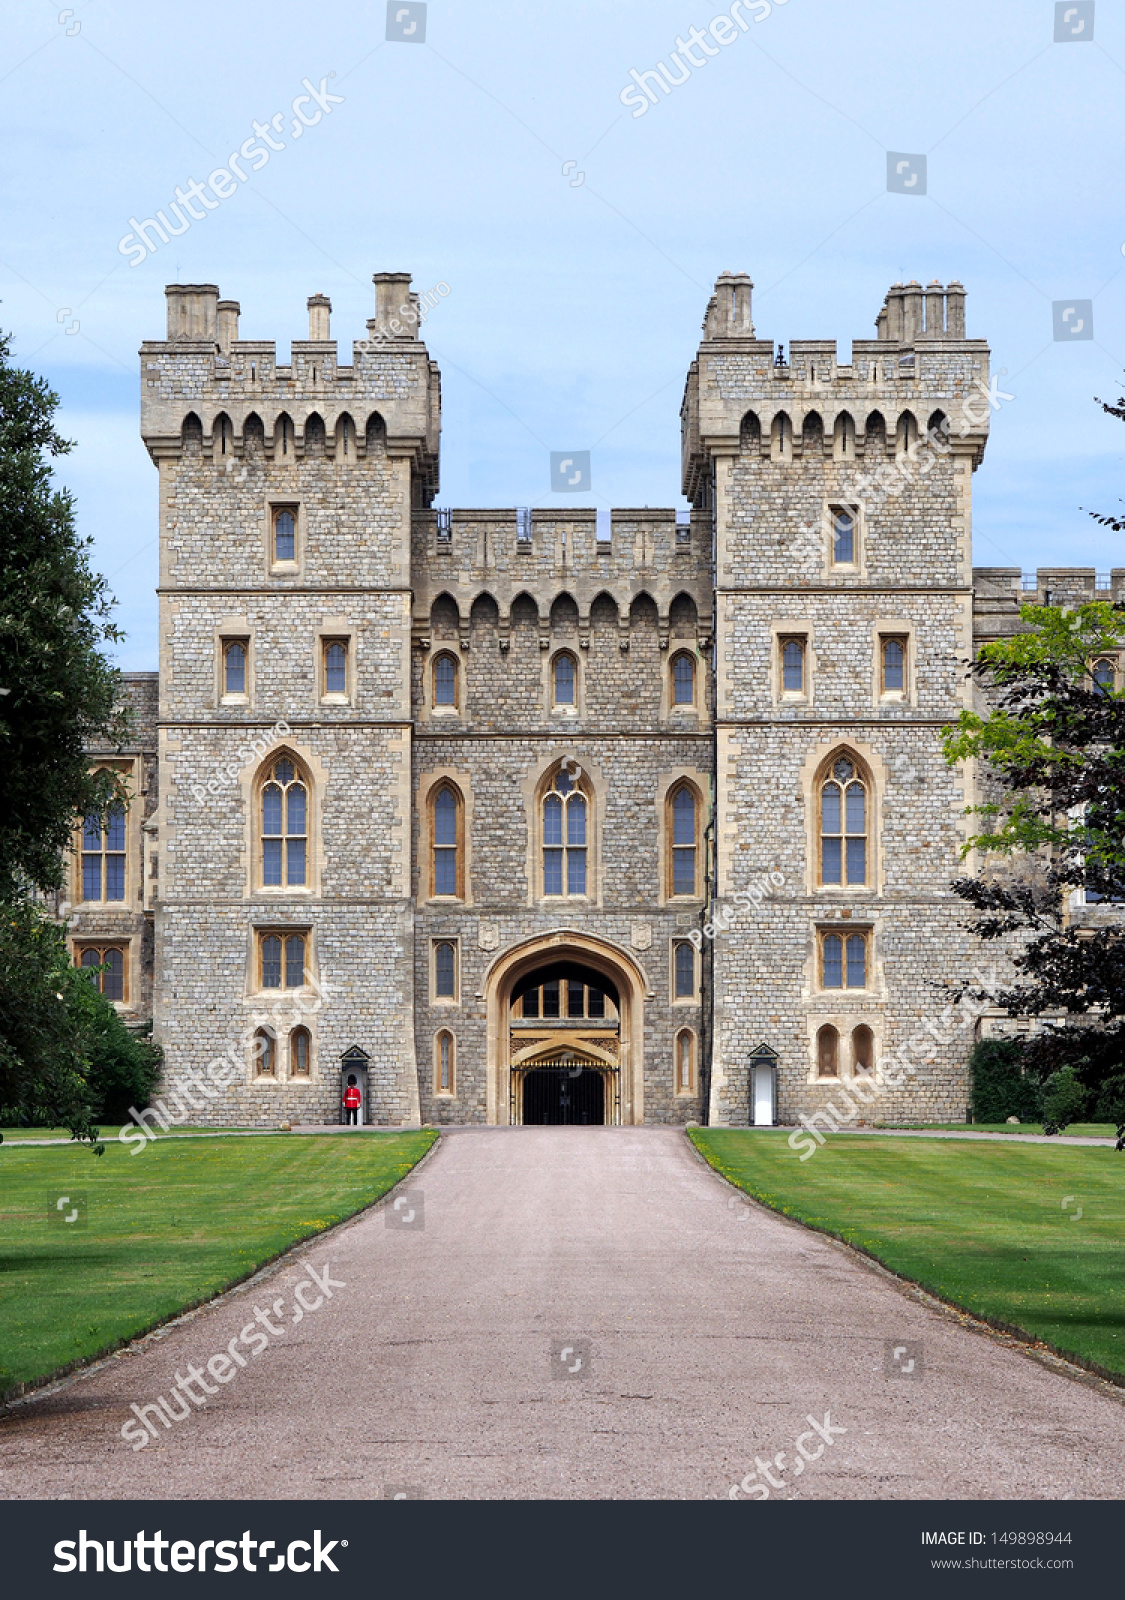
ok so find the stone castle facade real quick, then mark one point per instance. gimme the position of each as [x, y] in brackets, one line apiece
[546, 817]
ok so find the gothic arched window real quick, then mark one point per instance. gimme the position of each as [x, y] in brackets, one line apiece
[683, 958]
[894, 666]
[445, 679]
[843, 825]
[299, 1053]
[793, 666]
[444, 1062]
[234, 667]
[683, 679]
[335, 667]
[565, 840]
[564, 679]
[446, 836]
[682, 836]
[284, 815]
[445, 970]
[1103, 676]
[265, 1053]
[685, 1063]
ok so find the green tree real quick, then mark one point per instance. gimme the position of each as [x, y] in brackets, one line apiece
[58, 692]
[1052, 755]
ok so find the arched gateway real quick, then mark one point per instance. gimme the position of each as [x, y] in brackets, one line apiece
[565, 1032]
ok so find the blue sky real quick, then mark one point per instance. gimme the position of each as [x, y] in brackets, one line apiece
[574, 306]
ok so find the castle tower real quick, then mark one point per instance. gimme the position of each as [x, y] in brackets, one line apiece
[843, 620]
[283, 874]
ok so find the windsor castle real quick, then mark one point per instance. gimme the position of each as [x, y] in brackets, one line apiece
[535, 816]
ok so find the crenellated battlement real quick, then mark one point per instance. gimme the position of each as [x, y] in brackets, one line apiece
[920, 372]
[545, 555]
[203, 385]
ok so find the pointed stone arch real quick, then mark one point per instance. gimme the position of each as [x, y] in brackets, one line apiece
[611, 961]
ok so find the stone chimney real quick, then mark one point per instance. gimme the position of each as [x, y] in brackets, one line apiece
[911, 311]
[392, 292]
[320, 311]
[193, 312]
[228, 324]
[955, 310]
[728, 311]
[935, 310]
[893, 322]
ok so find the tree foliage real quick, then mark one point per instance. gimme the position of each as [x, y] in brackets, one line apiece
[57, 691]
[61, 1043]
[1052, 758]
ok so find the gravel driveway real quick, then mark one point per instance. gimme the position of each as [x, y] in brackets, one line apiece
[571, 1313]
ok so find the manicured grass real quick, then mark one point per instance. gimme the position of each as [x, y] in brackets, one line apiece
[110, 1131]
[165, 1229]
[982, 1225]
[1076, 1130]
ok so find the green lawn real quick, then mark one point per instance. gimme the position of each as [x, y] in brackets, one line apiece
[164, 1230]
[110, 1130]
[982, 1225]
[1075, 1130]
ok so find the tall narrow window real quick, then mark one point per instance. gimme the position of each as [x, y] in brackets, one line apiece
[106, 967]
[283, 960]
[446, 845]
[564, 674]
[894, 665]
[284, 536]
[843, 537]
[444, 1062]
[844, 958]
[285, 826]
[234, 667]
[103, 855]
[299, 1053]
[684, 828]
[564, 837]
[265, 1053]
[335, 667]
[445, 680]
[793, 666]
[445, 970]
[683, 680]
[843, 826]
[683, 957]
[827, 1052]
[684, 1061]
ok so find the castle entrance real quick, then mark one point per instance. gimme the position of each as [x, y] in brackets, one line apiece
[565, 1025]
[564, 1040]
